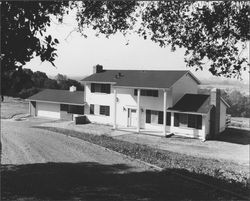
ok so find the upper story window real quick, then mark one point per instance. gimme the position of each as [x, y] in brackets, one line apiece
[101, 88]
[147, 92]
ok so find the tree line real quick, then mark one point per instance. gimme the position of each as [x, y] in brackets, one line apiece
[239, 102]
[24, 83]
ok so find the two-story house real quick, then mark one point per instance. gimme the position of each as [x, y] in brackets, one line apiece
[141, 100]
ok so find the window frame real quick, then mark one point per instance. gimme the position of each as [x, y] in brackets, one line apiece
[100, 88]
[104, 110]
[147, 92]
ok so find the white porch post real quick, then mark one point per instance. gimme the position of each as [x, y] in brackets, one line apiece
[203, 127]
[172, 122]
[138, 110]
[164, 111]
[115, 95]
[29, 108]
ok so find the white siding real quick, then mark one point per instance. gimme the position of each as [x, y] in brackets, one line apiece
[223, 109]
[98, 99]
[184, 85]
[49, 110]
[125, 100]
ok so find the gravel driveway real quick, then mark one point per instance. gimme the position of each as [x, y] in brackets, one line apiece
[42, 165]
[23, 144]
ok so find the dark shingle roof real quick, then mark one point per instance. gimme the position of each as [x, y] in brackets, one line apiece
[197, 103]
[138, 78]
[59, 96]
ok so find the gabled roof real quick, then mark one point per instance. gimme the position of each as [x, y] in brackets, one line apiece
[194, 103]
[59, 96]
[139, 78]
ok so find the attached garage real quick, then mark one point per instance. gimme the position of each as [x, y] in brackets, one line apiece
[48, 110]
[57, 104]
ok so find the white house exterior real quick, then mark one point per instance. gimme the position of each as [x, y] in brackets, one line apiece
[136, 101]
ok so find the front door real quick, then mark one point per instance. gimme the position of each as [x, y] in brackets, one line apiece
[132, 117]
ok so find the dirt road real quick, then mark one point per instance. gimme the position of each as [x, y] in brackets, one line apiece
[41, 165]
[24, 144]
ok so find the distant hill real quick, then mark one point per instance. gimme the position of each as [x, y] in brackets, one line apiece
[227, 84]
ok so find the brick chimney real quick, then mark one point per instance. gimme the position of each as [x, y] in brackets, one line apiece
[97, 68]
[215, 96]
[72, 89]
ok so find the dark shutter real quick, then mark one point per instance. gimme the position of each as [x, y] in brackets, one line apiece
[176, 119]
[92, 109]
[160, 117]
[199, 122]
[168, 121]
[148, 116]
[92, 87]
[135, 92]
[192, 121]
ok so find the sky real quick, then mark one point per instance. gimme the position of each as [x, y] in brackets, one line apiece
[77, 55]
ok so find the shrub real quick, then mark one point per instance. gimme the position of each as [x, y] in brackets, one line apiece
[25, 93]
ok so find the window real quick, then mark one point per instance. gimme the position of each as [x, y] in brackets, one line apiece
[183, 120]
[92, 109]
[156, 117]
[104, 110]
[188, 120]
[76, 109]
[64, 107]
[168, 123]
[199, 121]
[160, 117]
[147, 92]
[176, 119]
[101, 88]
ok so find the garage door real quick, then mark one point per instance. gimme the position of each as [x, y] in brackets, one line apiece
[48, 110]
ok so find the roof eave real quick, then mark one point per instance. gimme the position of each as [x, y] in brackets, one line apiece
[37, 100]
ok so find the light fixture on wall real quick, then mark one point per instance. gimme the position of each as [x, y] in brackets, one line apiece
[117, 99]
[124, 109]
[142, 110]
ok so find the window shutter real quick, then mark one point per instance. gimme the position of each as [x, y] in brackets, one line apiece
[160, 117]
[168, 121]
[135, 92]
[148, 116]
[199, 122]
[92, 87]
[92, 109]
[176, 119]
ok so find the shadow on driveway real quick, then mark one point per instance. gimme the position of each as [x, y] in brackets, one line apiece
[94, 181]
[234, 135]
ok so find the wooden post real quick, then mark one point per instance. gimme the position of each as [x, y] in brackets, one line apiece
[115, 96]
[138, 110]
[164, 111]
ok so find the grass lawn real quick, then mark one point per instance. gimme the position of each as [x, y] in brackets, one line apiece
[13, 106]
[224, 174]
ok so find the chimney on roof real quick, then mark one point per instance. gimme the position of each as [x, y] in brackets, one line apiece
[97, 68]
[72, 89]
[215, 96]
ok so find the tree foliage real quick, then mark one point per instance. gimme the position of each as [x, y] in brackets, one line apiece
[212, 33]
[24, 25]
[24, 83]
